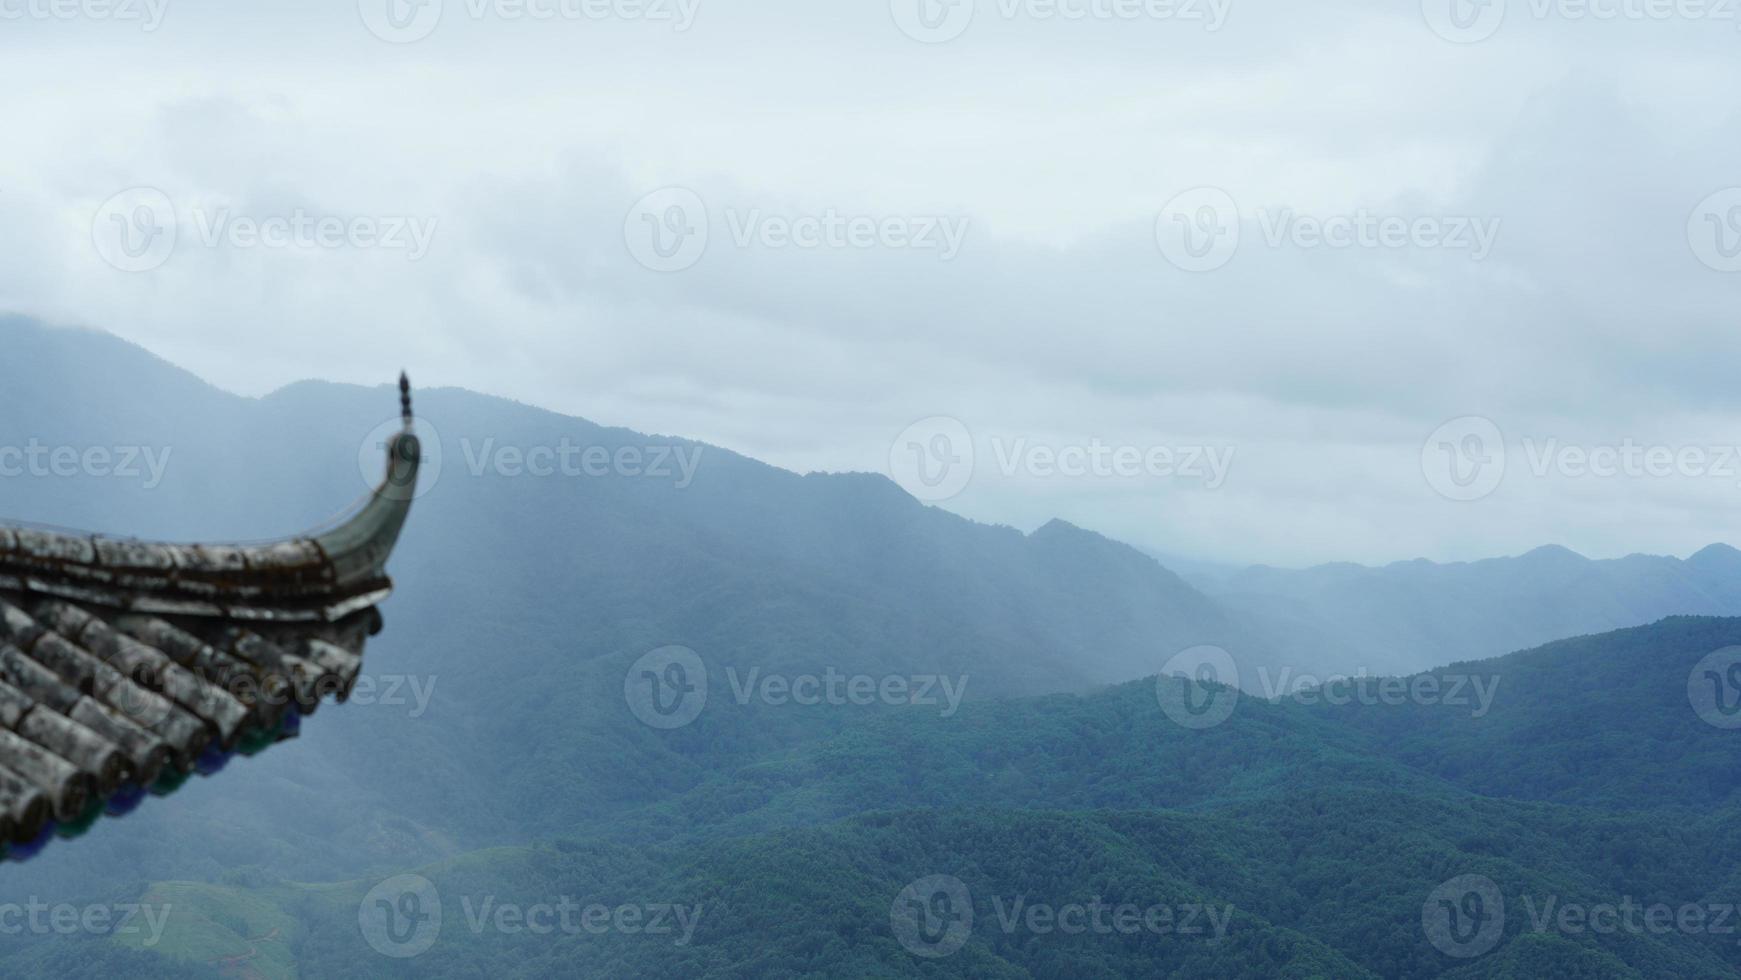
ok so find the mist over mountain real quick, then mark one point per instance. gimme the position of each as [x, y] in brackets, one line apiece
[1295, 838]
[525, 598]
[1411, 615]
[548, 555]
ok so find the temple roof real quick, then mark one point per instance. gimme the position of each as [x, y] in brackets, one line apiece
[127, 666]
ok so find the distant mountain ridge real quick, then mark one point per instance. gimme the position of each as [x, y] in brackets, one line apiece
[520, 769]
[1411, 615]
[524, 601]
[1319, 833]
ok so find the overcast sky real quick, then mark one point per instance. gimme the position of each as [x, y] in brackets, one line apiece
[1236, 263]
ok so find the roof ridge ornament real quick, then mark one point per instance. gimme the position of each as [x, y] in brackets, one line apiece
[405, 399]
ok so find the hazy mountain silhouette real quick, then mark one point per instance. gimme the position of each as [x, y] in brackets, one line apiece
[524, 600]
[1412, 615]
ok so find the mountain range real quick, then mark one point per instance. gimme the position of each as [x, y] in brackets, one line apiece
[499, 754]
[1411, 615]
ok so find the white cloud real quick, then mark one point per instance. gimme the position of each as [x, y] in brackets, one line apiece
[1056, 142]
